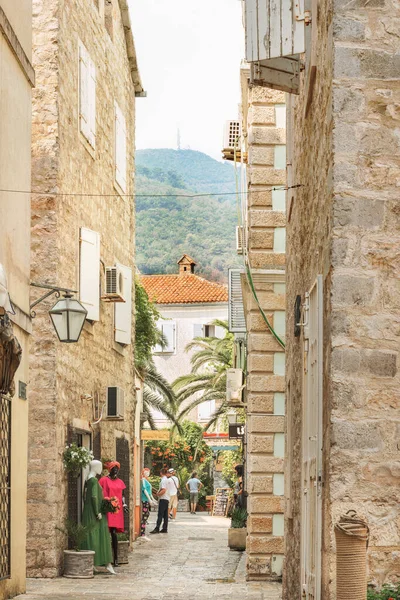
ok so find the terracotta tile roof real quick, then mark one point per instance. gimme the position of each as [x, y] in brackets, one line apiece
[183, 289]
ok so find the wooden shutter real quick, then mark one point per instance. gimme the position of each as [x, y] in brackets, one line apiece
[312, 472]
[236, 318]
[89, 273]
[92, 103]
[120, 148]
[197, 330]
[84, 118]
[123, 310]
[275, 37]
[169, 331]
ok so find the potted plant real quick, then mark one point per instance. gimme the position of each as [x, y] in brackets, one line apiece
[78, 564]
[76, 458]
[123, 548]
[238, 531]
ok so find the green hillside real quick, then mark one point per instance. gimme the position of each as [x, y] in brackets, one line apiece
[168, 226]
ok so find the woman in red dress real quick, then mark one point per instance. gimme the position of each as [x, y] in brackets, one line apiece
[114, 486]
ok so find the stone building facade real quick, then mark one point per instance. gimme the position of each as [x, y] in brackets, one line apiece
[82, 223]
[263, 119]
[17, 78]
[188, 305]
[342, 248]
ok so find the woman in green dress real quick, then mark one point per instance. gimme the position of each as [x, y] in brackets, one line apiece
[98, 536]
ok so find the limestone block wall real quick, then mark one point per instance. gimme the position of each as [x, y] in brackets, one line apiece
[63, 165]
[343, 224]
[265, 129]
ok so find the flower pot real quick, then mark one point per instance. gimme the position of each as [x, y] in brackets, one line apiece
[123, 549]
[237, 538]
[78, 565]
[183, 505]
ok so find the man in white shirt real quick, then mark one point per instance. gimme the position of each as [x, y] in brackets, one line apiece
[173, 503]
[164, 495]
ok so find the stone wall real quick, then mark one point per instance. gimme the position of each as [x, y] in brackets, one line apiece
[265, 380]
[63, 164]
[343, 224]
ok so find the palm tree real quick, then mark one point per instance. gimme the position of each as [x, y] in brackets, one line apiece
[157, 396]
[157, 393]
[207, 381]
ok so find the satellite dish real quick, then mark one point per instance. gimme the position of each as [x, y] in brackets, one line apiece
[4, 295]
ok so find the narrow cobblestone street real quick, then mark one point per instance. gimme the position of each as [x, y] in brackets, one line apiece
[192, 562]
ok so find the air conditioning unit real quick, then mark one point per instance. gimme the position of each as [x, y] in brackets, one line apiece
[234, 386]
[239, 239]
[232, 135]
[115, 403]
[114, 285]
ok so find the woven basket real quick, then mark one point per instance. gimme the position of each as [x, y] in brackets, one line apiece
[352, 535]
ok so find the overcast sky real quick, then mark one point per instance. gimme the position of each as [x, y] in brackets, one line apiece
[189, 54]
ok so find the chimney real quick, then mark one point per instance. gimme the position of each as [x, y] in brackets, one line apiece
[186, 265]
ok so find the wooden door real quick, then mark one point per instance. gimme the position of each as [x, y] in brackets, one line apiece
[311, 524]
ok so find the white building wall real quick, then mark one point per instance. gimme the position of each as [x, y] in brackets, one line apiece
[185, 316]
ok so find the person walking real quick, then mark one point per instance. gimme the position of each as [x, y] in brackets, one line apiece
[164, 495]
[193, 486]
[147, 501]
[173, 503]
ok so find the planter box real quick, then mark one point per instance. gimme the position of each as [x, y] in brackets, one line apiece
[78, 565]
[183, 505]
[123, 549]
[237, 538]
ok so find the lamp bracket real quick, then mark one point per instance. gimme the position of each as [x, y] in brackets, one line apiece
[52, 289]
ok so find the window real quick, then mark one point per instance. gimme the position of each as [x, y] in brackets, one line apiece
[89, 272]
[209, 331]
[279, 200]
[280, 157]
[206, 410]
[168, 329]
[279, 239]
[123, 310]
[87, 96]
[280, 116]
[120, 148]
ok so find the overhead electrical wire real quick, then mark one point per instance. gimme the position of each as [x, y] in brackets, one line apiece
[38, 193]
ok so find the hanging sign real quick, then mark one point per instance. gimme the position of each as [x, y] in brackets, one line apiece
[236, 430]
[155, 434]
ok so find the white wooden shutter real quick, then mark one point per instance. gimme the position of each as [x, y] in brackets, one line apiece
[275, 37]
[123, 310]
[312, 473]
[92, 103]
[169, 331]
[89, 273]
[84, 118]
[220, 332]
[197, 330]
[236, 318]
[120, 148]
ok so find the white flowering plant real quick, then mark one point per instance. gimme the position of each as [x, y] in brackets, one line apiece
[76, 458]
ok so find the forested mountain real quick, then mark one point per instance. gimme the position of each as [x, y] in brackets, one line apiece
[170, 223]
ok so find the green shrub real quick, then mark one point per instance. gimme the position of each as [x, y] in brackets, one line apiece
[239, 518]
[76, 533]
[387, 592]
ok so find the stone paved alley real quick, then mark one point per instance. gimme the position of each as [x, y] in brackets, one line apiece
[192, 562]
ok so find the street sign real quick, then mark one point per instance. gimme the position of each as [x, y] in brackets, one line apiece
[236, 430]
[155, 434]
